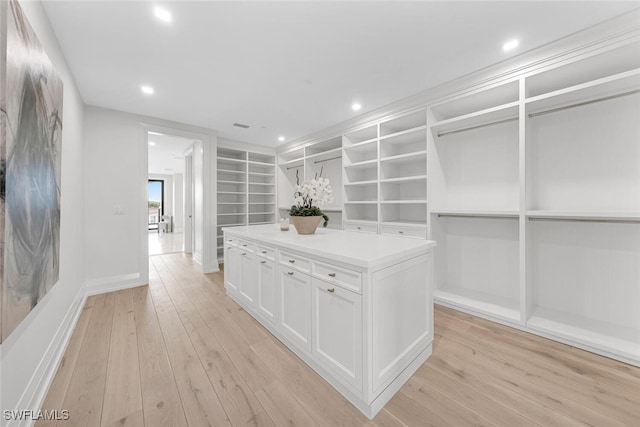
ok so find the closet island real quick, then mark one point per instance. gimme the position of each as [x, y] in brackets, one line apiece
[356, 307]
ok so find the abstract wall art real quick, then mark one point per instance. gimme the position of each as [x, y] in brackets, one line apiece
[30, 162]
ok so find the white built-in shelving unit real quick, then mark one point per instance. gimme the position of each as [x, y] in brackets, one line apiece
[527, 178]
[322, 158]
[246, 190]
[534, 186]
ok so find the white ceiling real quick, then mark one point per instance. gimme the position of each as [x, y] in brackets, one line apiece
[166, 155]
[293, 68]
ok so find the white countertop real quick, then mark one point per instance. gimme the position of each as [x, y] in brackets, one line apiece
[349, 247]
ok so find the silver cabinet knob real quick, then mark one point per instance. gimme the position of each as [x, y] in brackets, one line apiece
[332, 290]
[292, 261]
[332, 274]
[290, 273]
[263, 262]
[264, 252]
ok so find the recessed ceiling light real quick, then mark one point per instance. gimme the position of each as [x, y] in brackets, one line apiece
[155, 133]
[162, 14]
[147, 90]
[281, 138]
[510, 45]
[152, 143]
[356, 106]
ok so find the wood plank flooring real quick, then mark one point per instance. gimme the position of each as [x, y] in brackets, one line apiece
[179, 352]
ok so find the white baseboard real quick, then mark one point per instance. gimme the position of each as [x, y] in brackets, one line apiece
[33, 396]
[113, 283]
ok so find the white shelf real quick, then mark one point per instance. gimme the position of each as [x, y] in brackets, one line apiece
[405, 158]
[590, 333]
[220, 181]
[478, 118]
[293, 163]
[261, 194]
[261, 222]
[475, 302]
[261, 173]
[595, 216]
[231, 160]
[402, 223]
[402, 133]
[231, 203]
[478, 213]
[408, 201]
[367, 163]
[261, 213]
[323, 154]
[230, 171]
[232, 214]
[375, 202]
[406, 179]
[261, 183]
[364, 145]
[585, 92]
[357, 183]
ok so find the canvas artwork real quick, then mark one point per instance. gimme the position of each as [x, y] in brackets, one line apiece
[30, 163]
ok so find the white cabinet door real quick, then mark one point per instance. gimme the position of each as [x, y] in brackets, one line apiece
[295, 307]
[337, 331]
[248, 276]
[232, 268]
[267, 289]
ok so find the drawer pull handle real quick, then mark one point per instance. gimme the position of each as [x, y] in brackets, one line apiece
[290, 273]
[332, 274]
[230, 240]
[263, 262]
[400, 232]
[244, 245]
[332, 290]
[292, 261]
[359, 228]
[264, 252]
[244, 253]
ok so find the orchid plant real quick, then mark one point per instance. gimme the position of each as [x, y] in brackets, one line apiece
[310, 196]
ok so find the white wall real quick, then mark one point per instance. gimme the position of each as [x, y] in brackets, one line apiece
[28, 355]
[178, 203]
[116, 175]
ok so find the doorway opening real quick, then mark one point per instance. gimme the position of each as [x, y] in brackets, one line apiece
[166, 192]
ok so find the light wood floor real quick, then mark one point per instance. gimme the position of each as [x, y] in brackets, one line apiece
[165, 243]
[179, 352]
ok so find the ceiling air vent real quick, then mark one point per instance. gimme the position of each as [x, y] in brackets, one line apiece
[241, 125]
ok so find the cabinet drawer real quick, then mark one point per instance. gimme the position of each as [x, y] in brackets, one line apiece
[417, 233]
[295, 262]
[359, 226]
[231, 241]
[347, 279]
[267, 252]
[246, 245]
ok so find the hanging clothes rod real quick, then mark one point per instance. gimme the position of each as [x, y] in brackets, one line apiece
[478, 126]
[580, 104]
[505, 216]
[326, 160]
[611, 221]
[293, 167]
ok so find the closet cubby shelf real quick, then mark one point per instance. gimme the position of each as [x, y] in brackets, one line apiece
[362, 202]
[402, 132]
[475, 213]
[627, 82]
[231, 160]
[403, 223]
[364, 145]
[367, 163]
[489, 116]
[414, 178]
[596, 335]
[221, 181]
[505, 310]
[403, 158]
[401, 202]
[359, 183]
[299, 162]
[230, 171]
[328, 153]
[579, 215]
